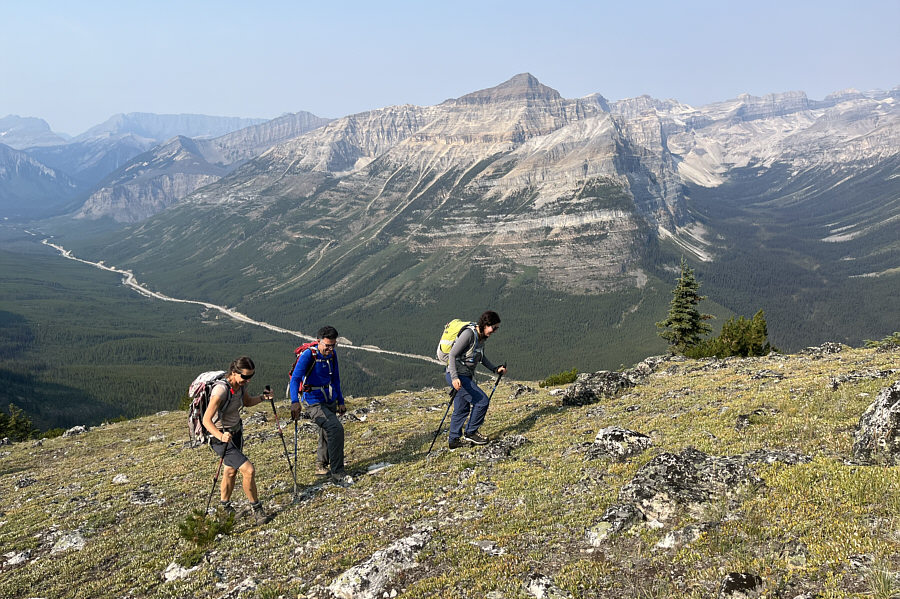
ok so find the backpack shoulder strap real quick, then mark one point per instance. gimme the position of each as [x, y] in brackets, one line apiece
[228, 395]
[474, 328]
[312, 364]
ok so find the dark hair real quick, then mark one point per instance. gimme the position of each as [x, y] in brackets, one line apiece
[242, 363]
[327, 332]
[487, 319]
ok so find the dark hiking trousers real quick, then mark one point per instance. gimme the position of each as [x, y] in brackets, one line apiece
[331, 436]
[470, 402]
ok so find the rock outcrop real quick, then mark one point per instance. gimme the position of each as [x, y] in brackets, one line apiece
[877, 436]
[592, 387]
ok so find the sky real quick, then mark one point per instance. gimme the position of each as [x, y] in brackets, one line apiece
[75, 64]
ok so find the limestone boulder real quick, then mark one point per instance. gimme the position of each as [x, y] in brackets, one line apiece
[877, 436]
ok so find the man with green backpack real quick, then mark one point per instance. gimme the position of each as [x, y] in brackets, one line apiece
[462, 349]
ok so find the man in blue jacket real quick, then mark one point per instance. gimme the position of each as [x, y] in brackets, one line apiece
[316, 381]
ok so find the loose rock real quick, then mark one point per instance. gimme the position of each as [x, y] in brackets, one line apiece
[369, 579]
[740, 585]
[542, 587]
[620, 443]
[72, 540]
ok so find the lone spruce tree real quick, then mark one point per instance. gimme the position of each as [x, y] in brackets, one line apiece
[685, 324]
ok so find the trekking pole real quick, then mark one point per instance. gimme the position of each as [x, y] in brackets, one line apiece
[441, 425]
[498, 380]
[281, 434]
[295, 458]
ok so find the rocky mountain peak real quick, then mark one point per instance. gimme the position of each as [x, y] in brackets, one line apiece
[23, 132]
[522, 87]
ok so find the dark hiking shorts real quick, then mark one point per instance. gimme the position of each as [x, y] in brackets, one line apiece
[233, 454]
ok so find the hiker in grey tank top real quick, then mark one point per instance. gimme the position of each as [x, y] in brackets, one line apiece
[223, 421]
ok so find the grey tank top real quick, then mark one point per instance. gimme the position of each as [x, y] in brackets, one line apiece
[231, 415]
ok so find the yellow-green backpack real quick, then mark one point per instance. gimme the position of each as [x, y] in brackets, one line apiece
[451, 331]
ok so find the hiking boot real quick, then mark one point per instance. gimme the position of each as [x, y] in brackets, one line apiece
[322, 469]
[475, 438]
[342, 480]
[227, 508]
[258, 514]
[457, 443]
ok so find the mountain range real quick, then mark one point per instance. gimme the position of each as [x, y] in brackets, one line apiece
[89, 158]
[574, 209]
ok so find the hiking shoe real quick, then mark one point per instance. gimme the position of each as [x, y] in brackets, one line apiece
[475, 438]
[322, 469]
[259, 515]
[342, 480]
[457, 443]
[227, 507]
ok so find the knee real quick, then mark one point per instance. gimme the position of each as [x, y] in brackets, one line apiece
[229, 473]
[336, 430]
[248, 469]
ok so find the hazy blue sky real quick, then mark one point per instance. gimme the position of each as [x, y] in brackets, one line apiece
[76, 63]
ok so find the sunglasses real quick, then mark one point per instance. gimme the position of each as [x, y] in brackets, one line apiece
[245, 377]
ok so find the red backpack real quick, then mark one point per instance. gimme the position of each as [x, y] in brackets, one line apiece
[310, 345]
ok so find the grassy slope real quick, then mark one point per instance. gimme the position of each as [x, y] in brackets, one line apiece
[537, 504]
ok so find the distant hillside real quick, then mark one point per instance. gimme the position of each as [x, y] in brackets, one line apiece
[736, 474]
[29, 188]
[164, 126]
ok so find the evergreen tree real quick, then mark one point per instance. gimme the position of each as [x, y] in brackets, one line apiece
[743, 337]
[685, 324]
[18, 425]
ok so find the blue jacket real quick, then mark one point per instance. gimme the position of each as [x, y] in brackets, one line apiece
[324, 379]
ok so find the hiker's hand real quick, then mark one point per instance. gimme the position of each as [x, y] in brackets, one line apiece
[501, 370]
[295, 410]
[341, 409]
[457, 384]
[226, 437]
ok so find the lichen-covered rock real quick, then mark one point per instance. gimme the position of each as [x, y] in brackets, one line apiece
[245, 588]
[620, 443]
[369, 579]
[175, 571]
[866, 374]
[684, 536]
[616, 519]
[72, 540]
[824, 349]
[877, 436]
[542, 587]
[686, 480]
[501, 448]
[770, 456]
[592, 387]
[740, 585]
[519, 389]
